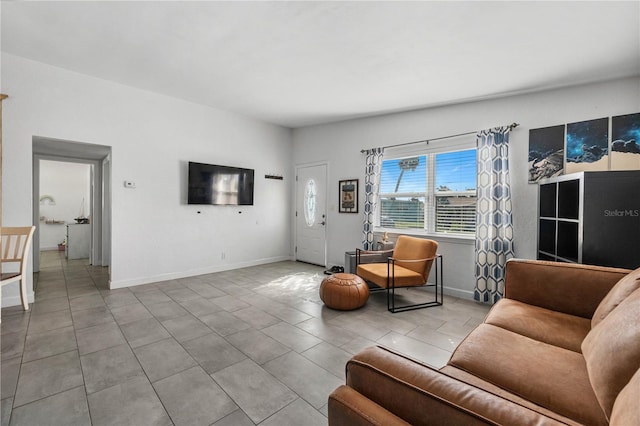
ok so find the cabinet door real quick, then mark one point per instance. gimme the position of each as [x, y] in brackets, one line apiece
[569, 199]
[568, 241]
[612, 220]
[547, 236]
[547, 200]
[78, 241]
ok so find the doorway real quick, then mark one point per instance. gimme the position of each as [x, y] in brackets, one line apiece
[96, 211]
[65, 196]
[311, 214]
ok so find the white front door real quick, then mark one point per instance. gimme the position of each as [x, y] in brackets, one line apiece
[311, 220]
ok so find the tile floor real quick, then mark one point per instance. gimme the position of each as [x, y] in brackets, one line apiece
[244, 347]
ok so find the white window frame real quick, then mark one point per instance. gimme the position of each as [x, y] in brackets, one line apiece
[429, 149]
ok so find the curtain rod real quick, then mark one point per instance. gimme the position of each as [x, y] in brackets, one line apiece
[510, 126]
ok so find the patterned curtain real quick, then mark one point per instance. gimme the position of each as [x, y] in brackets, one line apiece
[494, 229]
[371, 185]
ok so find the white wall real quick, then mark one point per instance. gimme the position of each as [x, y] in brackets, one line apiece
[69, 185]
[155, 235]
[340, 143]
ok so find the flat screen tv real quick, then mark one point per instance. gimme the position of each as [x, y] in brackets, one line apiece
[220, 185]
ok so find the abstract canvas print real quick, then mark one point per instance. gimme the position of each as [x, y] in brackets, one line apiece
[546, 152]
[625, 142]
[588, 146]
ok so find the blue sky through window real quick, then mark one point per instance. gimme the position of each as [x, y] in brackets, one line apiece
[455, 170]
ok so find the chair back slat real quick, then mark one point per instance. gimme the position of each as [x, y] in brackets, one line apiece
[13, 246]
[15, 243]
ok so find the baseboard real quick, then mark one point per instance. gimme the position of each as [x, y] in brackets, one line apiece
[194, 272]
[15, 300]
[456, 292]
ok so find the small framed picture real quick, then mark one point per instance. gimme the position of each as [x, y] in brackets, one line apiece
[348, 196]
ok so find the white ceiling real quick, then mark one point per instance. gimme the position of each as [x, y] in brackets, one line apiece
[303, 63]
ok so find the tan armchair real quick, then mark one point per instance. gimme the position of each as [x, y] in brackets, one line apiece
[408, 265]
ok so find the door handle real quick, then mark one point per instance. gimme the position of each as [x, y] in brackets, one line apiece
[323, 223]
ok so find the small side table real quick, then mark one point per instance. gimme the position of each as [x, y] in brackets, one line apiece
[385, 245]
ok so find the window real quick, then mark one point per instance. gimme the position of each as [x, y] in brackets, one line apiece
[403, 190]
[310, 207]
[434, 192]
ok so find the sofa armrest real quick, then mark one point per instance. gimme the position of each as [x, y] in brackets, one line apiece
[570, 288]
[349, 408]
[421, 395]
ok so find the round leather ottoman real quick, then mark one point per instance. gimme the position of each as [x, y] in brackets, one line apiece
[344, 291]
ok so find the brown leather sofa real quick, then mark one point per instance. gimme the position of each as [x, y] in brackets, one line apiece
[562, 347]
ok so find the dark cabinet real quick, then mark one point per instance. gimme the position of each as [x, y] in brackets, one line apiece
[591, 218]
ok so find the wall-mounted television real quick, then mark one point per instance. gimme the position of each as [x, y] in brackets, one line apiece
[220, 185]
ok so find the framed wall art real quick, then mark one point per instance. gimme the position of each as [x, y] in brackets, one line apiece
[587, 146]
[608, 143]
[348, 196]
[625, 142]
[546, 153]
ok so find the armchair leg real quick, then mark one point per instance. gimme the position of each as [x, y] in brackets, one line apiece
[439, 297]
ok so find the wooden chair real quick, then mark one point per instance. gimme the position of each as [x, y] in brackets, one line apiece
[16, 242]
[409, 265]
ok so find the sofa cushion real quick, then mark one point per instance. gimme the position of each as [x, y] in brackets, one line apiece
[544, 325]
[472, 380]
[626, 410]
[616, 295]
[549, 376]
[571, 288]
[612, 351]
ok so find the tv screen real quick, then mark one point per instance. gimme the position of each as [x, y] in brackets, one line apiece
[220, 185]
